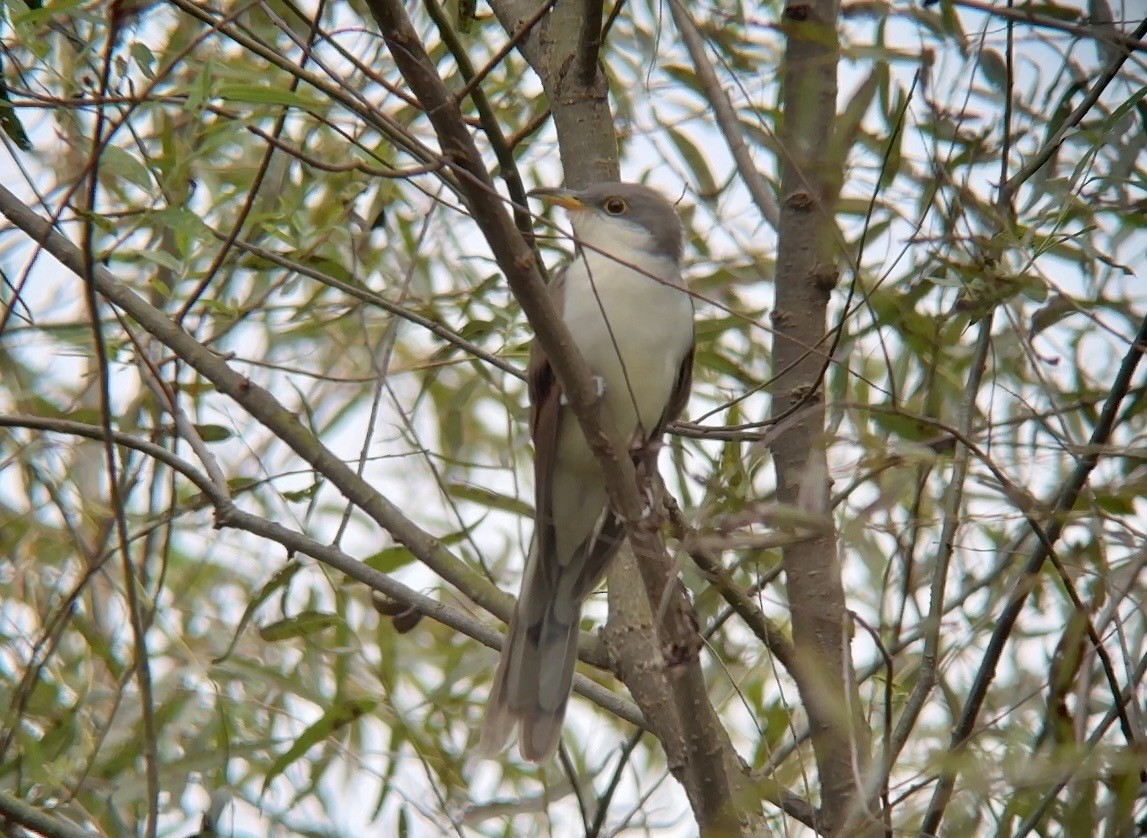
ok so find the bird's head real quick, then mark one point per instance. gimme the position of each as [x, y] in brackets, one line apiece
[621, 216]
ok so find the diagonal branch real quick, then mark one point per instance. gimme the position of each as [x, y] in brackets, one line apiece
[228, 515]
[14, 810]
[703, 761]
[1008, 190]
[726, 116]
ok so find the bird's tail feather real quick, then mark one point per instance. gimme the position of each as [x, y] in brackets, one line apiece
[535, 675]
[532, 684]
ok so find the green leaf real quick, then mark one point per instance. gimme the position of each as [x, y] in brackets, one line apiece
[9, 121]
[87, 416]
[903, 426]
[1068, 13]
[213, 433]
[40, 15]
[180, 220]
[144, 59]
[1111, 504]
[848, 123]
[322, 264]
[157, 257]
[1055, 309]
[258, 94]
[693, 157]
[279, 580]
[117, 161]
[389, 559]
[491, 499]
[302, 495]
[235, 485]
[950, 24]
[337, 717]
[303, 624]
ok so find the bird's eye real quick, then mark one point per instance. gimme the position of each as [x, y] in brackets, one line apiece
[616, 206]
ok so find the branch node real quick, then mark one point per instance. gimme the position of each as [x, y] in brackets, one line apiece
[801, 202]
[825, 278]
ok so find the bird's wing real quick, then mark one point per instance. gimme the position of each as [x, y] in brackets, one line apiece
[679, 395]
[545, 394]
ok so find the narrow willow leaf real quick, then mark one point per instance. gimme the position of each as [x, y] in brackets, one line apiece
[279, 580]
[491, 499]
[303, 624]
[695, 159]
[117, 161]
[8, 119]
[257, 94]
[389, 559]
[213, 433]
[335, 718]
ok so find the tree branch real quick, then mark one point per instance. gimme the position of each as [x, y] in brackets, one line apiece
[726, 116]
[228, 515]
[16, 810]
[589, 43]
[1025, 584]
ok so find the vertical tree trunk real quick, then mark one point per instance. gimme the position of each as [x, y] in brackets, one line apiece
[811, 172]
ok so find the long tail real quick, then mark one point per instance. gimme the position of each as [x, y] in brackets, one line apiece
[535, 675]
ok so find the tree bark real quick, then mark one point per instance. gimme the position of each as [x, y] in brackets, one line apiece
[579, 104]
[811, 173]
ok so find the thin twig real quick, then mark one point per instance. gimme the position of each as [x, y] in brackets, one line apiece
[726, 116]
[1008, 190]
[1025, 584]
[227, 515]
[953, 505]
[611, 788]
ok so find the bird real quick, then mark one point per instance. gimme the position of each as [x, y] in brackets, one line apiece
[624, 300]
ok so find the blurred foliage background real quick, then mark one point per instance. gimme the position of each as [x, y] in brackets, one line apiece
[262, 176]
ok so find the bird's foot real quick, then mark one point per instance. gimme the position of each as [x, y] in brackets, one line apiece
[652, 510]
[644, 453]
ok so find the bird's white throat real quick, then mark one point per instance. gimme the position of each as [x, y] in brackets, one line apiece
[632, 320]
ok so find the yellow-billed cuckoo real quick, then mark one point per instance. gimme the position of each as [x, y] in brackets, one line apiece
[625, 303]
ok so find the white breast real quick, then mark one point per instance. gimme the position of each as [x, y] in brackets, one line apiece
[632, 330]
